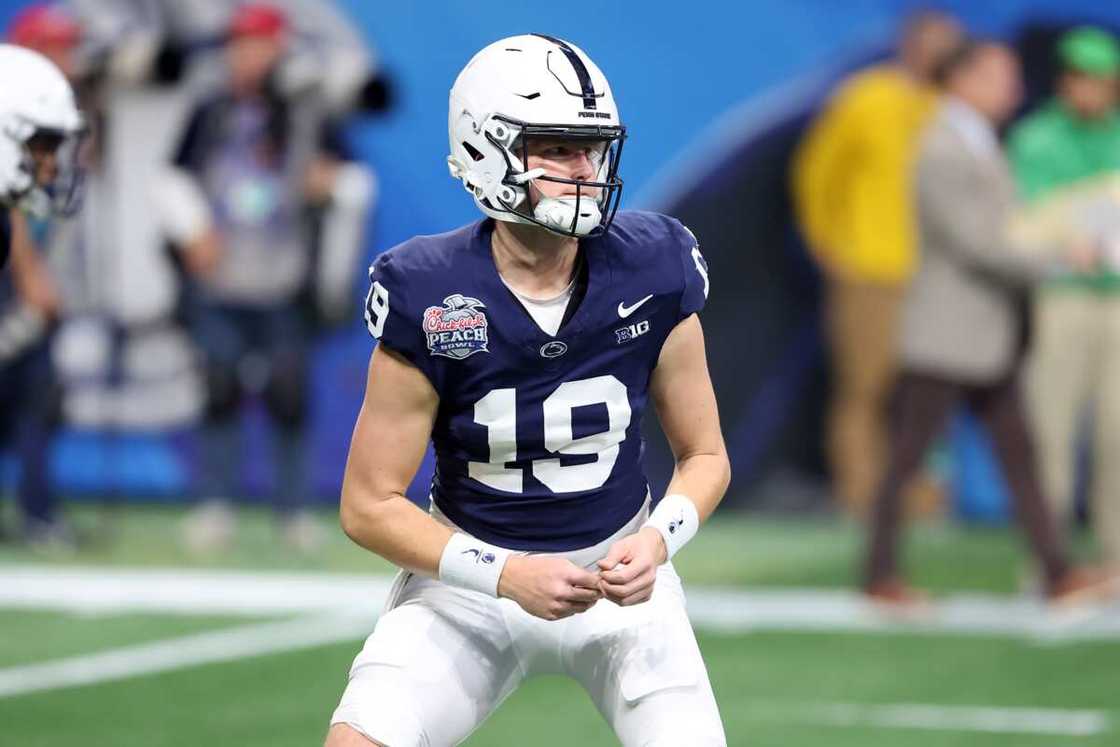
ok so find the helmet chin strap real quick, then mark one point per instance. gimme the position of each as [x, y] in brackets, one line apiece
[560, 213]
[527, 176]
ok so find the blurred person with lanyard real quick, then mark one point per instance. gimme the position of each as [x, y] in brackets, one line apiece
[40, 131]
[122, 364]
[248, 167]
[962, 327]
[125, 363]
[852, 192]
[1074, 364]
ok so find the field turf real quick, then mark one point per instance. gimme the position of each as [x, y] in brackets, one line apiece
[789, 687]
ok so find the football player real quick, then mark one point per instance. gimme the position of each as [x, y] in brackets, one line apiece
[526, 346]
[40, 127]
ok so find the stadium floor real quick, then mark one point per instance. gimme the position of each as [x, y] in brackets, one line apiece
[778, 684]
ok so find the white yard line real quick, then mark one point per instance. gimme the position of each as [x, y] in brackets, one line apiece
[823, 610]
[93, 590]
[930, 717]
[186, 651]
[338, 607]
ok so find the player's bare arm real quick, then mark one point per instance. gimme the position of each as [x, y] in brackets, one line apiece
[686, 406]
[33, 280]
[390, 437]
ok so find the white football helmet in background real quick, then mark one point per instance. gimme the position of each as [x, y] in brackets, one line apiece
[534, 86]
[37, 101]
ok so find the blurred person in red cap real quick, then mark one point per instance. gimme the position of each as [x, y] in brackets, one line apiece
[258, 35]
[51, 31]
[258, 20]
[248, 168]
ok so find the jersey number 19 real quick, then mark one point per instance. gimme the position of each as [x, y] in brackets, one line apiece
[498, 412]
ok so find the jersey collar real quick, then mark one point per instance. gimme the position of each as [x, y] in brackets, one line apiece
[524, 331]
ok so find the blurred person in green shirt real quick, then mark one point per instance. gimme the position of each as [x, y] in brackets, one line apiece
[1075, 356]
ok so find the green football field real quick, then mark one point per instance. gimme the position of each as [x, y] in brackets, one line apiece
[89, 662]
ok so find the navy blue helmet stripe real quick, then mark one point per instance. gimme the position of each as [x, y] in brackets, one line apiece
[581, 70]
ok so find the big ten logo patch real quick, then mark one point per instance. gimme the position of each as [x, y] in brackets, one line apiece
[632, 331]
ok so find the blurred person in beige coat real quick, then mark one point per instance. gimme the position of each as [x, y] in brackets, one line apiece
[962, 332]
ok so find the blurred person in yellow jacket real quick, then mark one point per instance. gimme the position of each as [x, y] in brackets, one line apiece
[852, 192]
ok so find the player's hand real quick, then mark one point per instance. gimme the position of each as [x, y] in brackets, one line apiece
[319, 181]
[628, 572]
[548, 587]
[203, 253]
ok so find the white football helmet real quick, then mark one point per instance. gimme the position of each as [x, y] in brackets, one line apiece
[36, 101]
[534, 86]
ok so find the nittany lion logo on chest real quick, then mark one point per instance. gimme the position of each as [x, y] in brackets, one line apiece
[457, 329]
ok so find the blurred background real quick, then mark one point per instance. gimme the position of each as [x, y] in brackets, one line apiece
[182, 362]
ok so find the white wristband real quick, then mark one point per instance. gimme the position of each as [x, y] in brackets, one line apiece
[676, 518]
[472, 564]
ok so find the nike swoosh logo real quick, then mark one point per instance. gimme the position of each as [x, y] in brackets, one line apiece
[625, 311]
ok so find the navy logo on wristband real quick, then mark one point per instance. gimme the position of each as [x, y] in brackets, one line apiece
[479, 556]
[674, 525]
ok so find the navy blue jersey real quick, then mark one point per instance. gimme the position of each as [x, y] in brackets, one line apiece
[538, 437]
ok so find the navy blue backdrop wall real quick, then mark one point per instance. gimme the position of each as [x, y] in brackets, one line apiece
[701, 86]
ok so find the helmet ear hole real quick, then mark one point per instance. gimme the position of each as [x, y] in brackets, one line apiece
[507, 195]
[473, 152]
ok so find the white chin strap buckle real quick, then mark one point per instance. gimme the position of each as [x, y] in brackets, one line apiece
[559, 213]
[526, 176]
